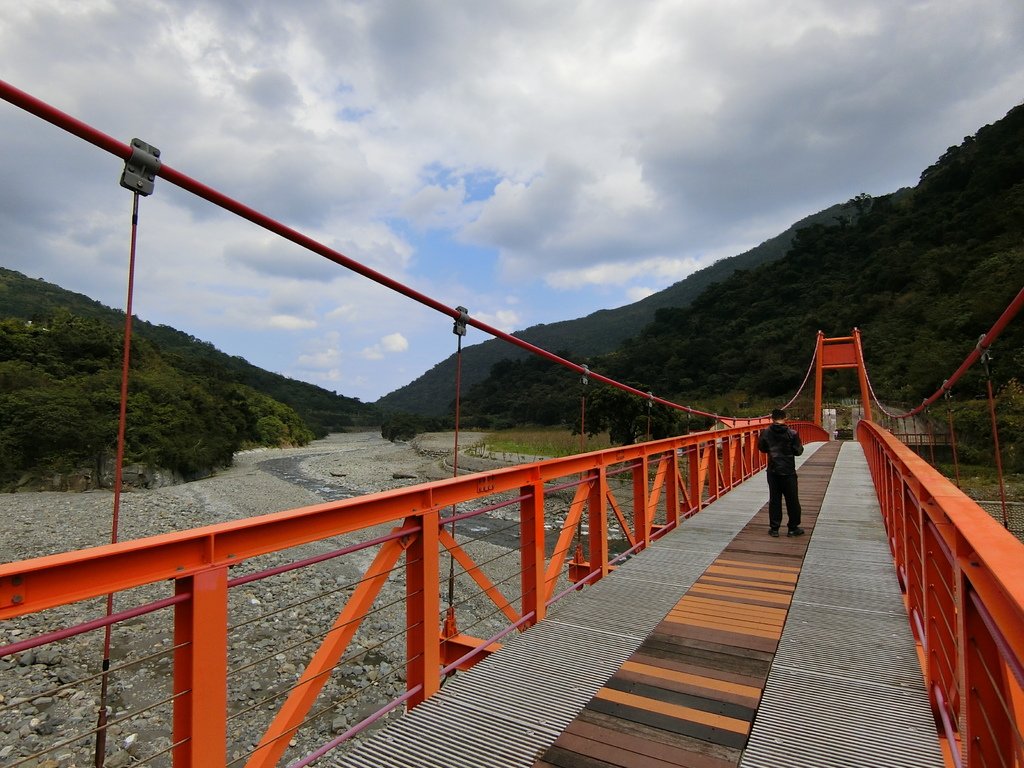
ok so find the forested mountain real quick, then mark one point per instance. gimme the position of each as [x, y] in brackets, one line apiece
[922, 273]
[323, 411]
[432, 393]
[190, 406]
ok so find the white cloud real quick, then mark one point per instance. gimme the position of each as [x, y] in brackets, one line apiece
[394, 342]
[639, 292]
[290, 323]
[635, 143]
[506, 320]
[665, 269]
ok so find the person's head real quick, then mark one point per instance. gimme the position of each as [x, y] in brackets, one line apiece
[778, 415]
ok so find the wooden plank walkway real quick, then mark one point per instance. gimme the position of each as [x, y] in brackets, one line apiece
[689, 694]
[684, 656]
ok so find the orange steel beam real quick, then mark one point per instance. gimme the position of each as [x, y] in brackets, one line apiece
[531, 547]
[423, 607]
[472, 570]
[200, 669]
[561, 552]
[960, 571]
[623, 524]
[44, 582]
[837, 353]
[641, 506]
[288, 719]
[597, 523]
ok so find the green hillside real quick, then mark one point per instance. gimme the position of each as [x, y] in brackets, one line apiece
[432, 393]
[922, 273]
[323, 411]
[190, 406]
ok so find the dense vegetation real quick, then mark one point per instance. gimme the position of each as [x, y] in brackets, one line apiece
[922, 273]
[190, 405]
[59, 402]
[36, 300]
[432, 393]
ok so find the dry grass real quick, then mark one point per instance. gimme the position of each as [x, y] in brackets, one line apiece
[547, 442]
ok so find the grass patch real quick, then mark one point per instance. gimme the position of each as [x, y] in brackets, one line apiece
[549, 442]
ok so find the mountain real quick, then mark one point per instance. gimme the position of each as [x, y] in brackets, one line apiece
[922, 273]
[432, 394]
[323, 411]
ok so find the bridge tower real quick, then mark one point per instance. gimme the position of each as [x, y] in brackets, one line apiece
[835, 353]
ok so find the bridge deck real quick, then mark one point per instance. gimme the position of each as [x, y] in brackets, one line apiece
[718, 646]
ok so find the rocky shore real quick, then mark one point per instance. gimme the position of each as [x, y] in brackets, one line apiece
[51, 694]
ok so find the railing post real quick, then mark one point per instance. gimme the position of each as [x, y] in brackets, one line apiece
[672, 481]
[423, 610]
[714, 469]
[695, 478]
[597, 520]
[531, 547]
[641, 513]
[200, 670]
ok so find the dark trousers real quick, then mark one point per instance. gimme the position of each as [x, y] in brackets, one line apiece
[780, 486]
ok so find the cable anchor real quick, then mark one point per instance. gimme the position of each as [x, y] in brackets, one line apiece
[141, 168]
[459, 329]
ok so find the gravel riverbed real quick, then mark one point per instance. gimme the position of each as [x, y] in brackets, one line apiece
[50, 695]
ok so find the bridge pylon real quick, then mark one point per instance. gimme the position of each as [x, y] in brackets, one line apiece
[835, 353]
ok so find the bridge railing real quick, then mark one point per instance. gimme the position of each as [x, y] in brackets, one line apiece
[196, 595]
[961, 576]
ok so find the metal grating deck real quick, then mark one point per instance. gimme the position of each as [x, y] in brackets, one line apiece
[515, 703]
[845, 687]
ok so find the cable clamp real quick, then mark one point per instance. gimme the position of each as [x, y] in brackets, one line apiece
[141, 168]
[650, 400]
[986, 354]
[459, 329]
[585, 378]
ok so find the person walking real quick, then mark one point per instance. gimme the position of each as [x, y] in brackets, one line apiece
[782, 444]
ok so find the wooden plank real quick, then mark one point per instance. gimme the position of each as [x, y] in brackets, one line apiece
[676, 711]
[658, 695]
[647, 750]
[616, 755]
[559, 757]
[688, 665]
[703, 682]
[722, 637]
[713, 755]
[688, 696]
[744, 661]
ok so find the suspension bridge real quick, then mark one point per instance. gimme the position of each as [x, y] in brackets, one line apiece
[642, 617]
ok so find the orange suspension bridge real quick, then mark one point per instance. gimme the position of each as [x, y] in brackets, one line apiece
[650, 620]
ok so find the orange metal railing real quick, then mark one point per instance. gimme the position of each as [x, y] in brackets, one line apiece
[961, 576]
[639, 490]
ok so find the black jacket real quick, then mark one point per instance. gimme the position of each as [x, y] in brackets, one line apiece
[781, 444]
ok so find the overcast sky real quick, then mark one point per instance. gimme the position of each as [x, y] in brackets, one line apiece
[533, 161]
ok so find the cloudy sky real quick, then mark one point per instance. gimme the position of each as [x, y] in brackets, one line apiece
[532, 160]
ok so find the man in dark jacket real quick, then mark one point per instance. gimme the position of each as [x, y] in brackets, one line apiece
[782, 443]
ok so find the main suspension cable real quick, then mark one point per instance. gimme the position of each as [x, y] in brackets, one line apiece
[109, 144]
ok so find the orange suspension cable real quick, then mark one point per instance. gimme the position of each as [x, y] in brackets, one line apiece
[101, 724]
[952, 437]
[995, 436]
